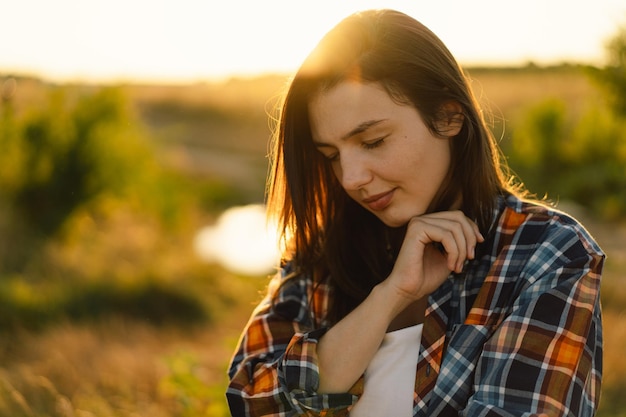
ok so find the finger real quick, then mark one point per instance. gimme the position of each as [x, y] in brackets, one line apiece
[463, 235]
[452, 240]
[470, 229]
[455, 246]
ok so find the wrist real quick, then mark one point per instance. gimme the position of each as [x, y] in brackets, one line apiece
[392, 298]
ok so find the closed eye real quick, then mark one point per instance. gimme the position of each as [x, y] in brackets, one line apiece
[375, 144]
[332, 157]
[328, 152]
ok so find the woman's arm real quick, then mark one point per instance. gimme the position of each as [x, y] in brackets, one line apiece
[256, 387]
[274, 370]
[283, 366]
[345, 351]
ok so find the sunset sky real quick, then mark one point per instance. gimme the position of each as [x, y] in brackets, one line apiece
[195, 40]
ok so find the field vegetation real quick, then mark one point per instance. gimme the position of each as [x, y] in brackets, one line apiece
[105, 310]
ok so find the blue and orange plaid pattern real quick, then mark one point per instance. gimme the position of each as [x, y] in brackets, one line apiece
[518, 332]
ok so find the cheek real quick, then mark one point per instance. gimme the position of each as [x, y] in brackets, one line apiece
[337, 171]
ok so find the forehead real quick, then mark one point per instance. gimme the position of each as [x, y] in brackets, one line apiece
[335, 112]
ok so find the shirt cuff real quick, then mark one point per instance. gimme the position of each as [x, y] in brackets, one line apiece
[299, 375]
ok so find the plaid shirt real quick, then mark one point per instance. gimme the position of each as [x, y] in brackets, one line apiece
[517, 333]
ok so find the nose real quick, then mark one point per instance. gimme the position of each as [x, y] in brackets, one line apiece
[354, 172]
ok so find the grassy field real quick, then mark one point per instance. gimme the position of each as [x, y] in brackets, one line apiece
[123, 365]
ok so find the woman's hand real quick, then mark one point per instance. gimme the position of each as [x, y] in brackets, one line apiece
[435, 244]
[346, 349]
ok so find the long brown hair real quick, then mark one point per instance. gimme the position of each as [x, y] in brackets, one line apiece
[330, 234]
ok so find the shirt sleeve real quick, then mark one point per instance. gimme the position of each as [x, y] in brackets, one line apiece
[545, 357]
[274, 371]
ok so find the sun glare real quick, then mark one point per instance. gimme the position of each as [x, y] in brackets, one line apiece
[192, 41]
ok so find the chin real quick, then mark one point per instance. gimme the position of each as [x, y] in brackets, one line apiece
[394, 222]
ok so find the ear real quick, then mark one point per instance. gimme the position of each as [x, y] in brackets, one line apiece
[450, 119]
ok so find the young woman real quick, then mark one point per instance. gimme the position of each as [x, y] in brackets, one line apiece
[419, 282]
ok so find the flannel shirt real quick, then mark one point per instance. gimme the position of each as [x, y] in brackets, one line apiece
[517, 333]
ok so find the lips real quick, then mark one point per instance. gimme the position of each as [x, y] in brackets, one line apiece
[379, 201]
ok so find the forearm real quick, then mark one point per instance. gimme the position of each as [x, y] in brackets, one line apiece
[345, 351]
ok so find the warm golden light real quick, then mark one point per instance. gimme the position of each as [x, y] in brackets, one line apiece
[191, 41]
[241, 241]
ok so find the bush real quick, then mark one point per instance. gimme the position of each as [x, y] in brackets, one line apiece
[34, 306]
[583, 161]
[76, 150]
[70, 151]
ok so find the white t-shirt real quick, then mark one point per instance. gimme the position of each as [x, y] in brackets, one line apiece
[390, 377]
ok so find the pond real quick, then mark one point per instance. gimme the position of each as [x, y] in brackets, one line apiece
[241, 240]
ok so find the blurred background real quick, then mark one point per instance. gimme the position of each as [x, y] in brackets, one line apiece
[133, 157]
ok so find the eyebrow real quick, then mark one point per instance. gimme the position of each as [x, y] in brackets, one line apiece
[360, 128]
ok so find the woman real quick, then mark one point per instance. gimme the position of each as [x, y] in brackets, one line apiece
[418, 281]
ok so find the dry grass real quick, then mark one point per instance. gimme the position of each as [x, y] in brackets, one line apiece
[121, 368]
[510, 93]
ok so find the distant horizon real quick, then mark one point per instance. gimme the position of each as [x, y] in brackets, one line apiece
[187, 41]
[5, 74]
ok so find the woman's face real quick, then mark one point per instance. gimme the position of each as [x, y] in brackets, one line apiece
[382, 153]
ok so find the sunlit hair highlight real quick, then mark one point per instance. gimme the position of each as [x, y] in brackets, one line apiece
[330, 234]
